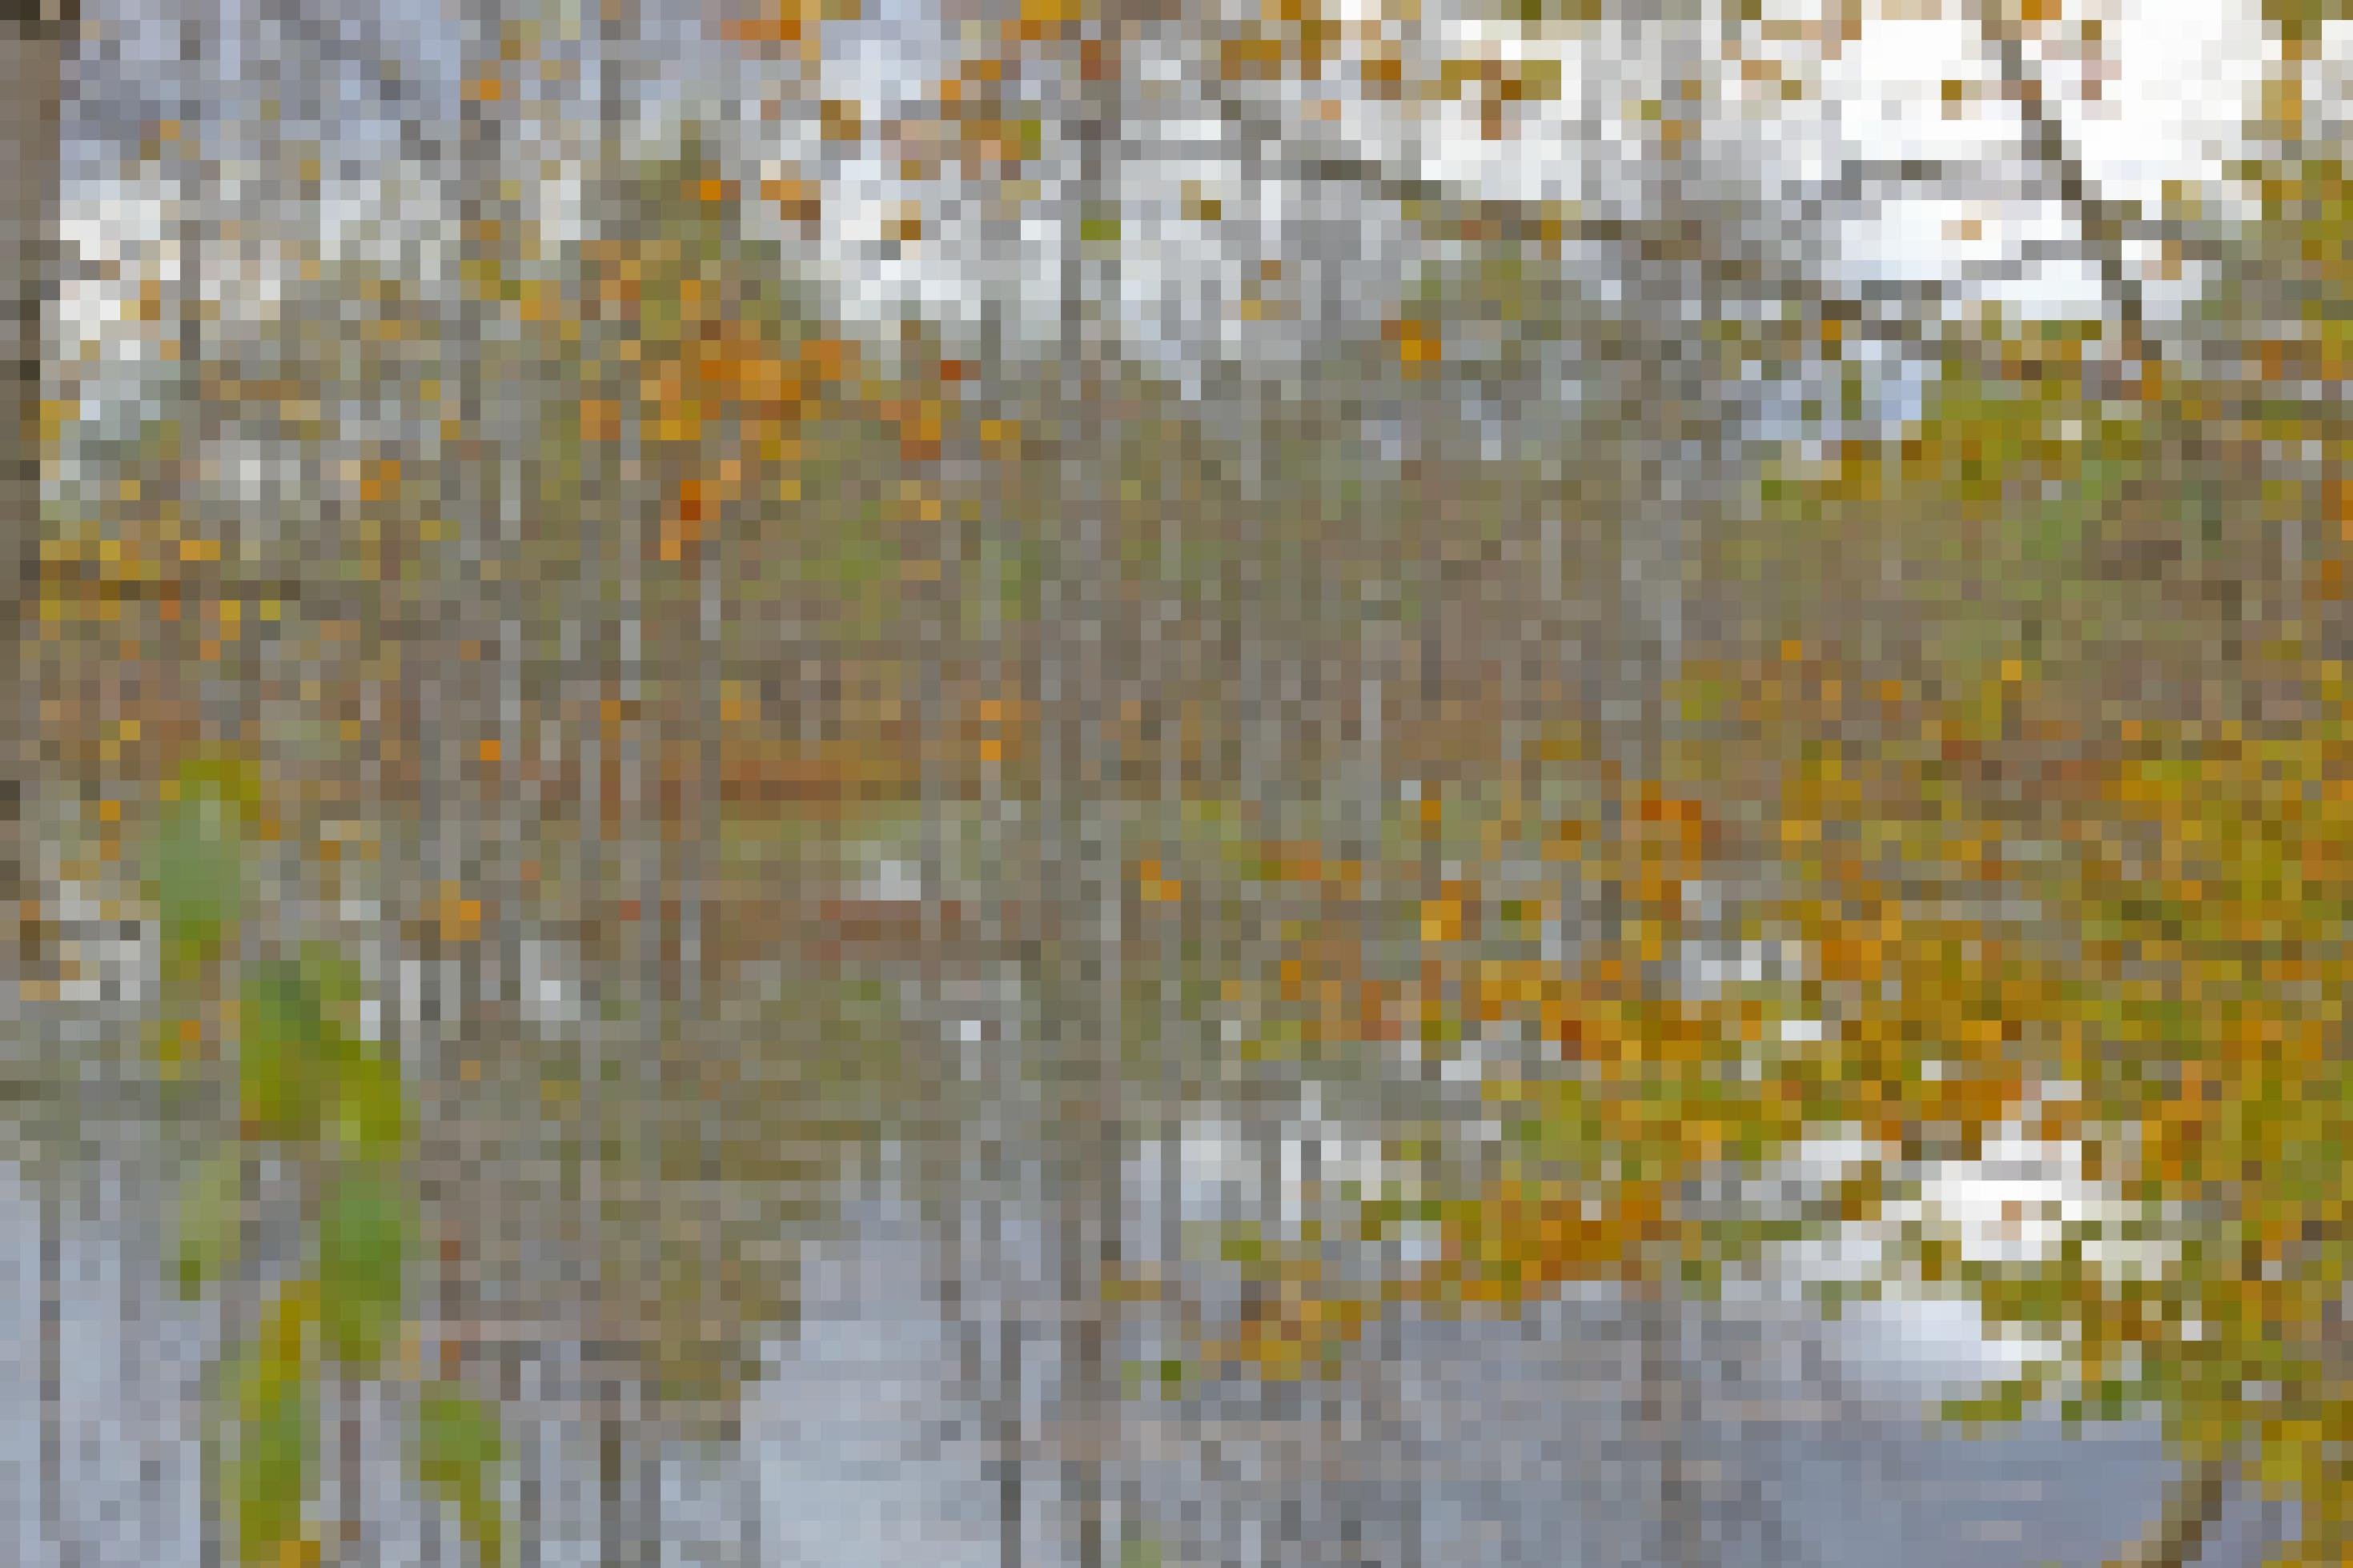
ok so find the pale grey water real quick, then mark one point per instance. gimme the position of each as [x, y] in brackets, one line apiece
[1502, 1444]
[870, 1443]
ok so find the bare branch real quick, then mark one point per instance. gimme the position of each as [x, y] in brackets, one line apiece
[2177, 1538]
[2100, 222]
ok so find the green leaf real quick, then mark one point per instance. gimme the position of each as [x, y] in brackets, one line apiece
[457, 1454]
[265, 1475]
[1242, 1244]
[211, 1221]
[371, 1116]
[363, 1240]
[198, 877]
[296, 1058]
[281, 1040]
[271, 1475]
[333, 982]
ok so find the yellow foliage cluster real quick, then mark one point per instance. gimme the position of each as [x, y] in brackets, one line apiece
[2153, 910]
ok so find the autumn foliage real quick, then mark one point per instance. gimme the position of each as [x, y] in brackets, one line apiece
[1994, 893]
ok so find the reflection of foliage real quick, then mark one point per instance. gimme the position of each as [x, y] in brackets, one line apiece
[762, 431]
[754, 1132]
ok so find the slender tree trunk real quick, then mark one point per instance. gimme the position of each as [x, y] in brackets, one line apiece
[1667, 426]
[620, 1108]
[600, 556]
[34, 39]
[1082, 687]
[996, 1370]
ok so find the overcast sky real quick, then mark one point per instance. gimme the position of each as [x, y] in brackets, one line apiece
[2180, 92]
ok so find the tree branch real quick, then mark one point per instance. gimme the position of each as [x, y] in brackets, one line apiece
[2193, 1506]
[2100, 223]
